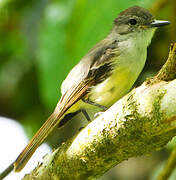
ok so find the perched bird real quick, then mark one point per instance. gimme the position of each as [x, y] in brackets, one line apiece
[104, 74]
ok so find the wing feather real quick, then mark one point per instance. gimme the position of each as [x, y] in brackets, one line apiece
[91, 69]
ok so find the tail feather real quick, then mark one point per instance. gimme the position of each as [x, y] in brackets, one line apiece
[39, 137]
[66, 101]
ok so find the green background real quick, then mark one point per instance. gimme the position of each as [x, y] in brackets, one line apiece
[40, 41]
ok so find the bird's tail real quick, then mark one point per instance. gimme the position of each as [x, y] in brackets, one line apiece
[66, 101]
[39, 137]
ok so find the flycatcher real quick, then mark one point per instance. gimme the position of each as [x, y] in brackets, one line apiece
[104, 74]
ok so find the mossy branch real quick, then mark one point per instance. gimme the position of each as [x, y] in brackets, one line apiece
[168, 71]
[140, 123]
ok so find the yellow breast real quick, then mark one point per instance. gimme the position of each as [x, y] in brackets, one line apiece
[113, 88]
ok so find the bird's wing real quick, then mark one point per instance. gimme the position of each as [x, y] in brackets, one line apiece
[98, 56]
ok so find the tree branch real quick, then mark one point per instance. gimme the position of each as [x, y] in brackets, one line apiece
[168, 71]
[169, 167]
[141, 122]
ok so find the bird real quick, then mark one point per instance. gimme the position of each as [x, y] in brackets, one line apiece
[103, 76]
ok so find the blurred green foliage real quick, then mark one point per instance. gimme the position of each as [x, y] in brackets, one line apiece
[40, 41]
[158, 169]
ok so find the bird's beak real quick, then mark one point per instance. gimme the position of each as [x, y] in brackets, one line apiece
[158, 23]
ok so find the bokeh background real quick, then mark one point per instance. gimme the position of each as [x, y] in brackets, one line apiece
[40, 41]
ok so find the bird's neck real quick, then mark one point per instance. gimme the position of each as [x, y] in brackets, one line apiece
[139, 39]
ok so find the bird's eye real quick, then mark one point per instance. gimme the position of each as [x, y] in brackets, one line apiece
[133, 21]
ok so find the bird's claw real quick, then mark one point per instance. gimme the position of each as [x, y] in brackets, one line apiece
[98, 114]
